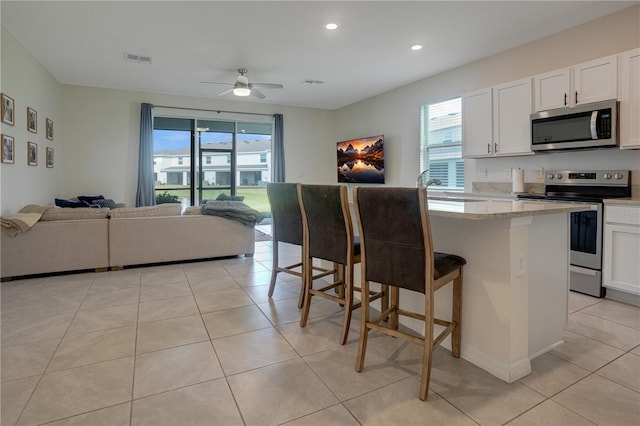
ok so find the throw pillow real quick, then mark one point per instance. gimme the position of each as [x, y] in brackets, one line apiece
[90, 198]
[225, 197]
[61, 202]
[108, 203]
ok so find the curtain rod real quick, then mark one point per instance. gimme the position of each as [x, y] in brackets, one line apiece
[214, 110]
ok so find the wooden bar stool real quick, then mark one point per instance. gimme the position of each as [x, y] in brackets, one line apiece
[286, 226]
[328, 235]
[397, 250]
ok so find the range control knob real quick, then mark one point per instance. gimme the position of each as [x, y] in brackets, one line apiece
[607, 176]
[559, 176]
[550, 176]
[618, 176]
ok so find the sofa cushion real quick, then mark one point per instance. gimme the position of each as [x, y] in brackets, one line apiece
[61, 202]
[61, 213]
[192, 210]
[171, 209]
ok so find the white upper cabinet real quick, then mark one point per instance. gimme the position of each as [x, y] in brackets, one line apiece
[591, 81]
[629, 97]
[477, 122]
[496, 121]
[512, 103]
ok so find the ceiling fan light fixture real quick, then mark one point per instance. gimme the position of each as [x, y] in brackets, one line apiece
[241, 91]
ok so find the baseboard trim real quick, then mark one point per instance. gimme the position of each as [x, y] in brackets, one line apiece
[505, 372]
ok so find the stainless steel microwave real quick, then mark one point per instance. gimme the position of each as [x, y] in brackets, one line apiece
[592, 125]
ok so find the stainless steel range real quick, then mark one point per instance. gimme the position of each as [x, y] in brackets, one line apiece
[585, 187]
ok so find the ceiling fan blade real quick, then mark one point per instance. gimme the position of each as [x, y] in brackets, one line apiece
[266, 85]
[225, 92]
[258, 94]
[216, 82]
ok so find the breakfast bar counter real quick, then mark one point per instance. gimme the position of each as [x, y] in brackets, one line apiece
[516, 280]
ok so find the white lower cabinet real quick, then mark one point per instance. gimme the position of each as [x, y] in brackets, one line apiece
[621, 263]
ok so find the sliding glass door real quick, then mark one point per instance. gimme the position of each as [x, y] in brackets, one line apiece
[197, 160]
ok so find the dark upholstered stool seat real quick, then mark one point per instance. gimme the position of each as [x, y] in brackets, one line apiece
[328, 235]
[444, 263]
[286, 226]
[396, 250]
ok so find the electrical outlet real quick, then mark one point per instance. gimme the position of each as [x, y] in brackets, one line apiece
[539, 173]
[481, 173]
[507, 172]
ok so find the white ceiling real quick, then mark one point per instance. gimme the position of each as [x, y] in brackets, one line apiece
[82, 42]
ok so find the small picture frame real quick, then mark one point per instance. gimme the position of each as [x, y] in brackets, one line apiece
[49, 129]
[32, 120]
[8, 151]
[32, 153]
[49, 157]
[7, 109]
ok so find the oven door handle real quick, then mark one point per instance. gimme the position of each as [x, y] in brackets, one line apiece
[583, 271]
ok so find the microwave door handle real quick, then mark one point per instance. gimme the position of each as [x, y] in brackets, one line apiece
[594, 121]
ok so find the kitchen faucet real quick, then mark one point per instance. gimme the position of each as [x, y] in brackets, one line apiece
[420, 181]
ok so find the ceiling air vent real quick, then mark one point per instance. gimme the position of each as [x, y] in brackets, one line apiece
[132, 57]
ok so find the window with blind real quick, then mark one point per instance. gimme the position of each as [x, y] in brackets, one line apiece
[441, 143]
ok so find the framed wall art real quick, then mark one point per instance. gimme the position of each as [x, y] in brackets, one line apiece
[32, 120]
[7, 109]
[7, 149]
[32, 153]
[49, 157]
[49, 129]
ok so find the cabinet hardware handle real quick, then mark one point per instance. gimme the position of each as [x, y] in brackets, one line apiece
[565, 99]
[576, 96]
[488, 148]
[495, 147]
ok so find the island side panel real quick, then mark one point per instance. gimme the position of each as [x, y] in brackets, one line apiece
[549, 282]
[495, 320]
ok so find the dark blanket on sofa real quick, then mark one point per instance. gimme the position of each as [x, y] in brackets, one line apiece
[234, 210]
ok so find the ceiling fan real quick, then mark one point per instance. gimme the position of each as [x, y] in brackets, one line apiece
[242, 87]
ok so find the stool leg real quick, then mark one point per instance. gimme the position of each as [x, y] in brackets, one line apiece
[364, 331]
[395, 304]
[274, 268]
[456, 314]
[348, 302]
[428, 345]
[307, 266]
[303, 287]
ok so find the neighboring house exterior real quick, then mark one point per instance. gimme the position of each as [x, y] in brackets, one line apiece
[253, 164]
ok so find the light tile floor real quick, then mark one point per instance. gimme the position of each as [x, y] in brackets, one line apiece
[201, 343]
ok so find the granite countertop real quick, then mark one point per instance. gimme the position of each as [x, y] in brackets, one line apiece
[498, 209]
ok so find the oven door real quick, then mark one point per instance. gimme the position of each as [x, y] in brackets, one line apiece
[586, 237]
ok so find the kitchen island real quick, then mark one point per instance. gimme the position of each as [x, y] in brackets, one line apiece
[516, 280]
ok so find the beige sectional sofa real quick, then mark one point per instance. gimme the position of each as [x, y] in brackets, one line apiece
[80, 239]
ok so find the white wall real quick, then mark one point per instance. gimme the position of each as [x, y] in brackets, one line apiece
[101, 138]
[30, 85]
[396, 113]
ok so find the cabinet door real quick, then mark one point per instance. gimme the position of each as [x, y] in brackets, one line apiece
[552, 89]
[621, 269]
[477, 131]
[620, 266]
[511, 118]
[595, 80]
[629, 97]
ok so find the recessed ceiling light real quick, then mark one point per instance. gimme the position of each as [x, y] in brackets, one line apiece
[331, 26]
[416, 47]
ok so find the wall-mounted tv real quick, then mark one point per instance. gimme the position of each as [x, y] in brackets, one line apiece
[361, 160]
